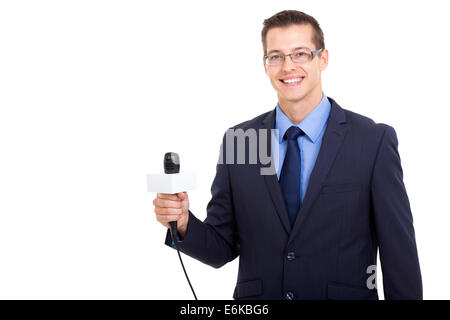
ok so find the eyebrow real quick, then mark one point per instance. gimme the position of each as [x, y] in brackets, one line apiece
[272, 51]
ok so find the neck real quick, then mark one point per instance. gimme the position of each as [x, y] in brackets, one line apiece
[296, 111]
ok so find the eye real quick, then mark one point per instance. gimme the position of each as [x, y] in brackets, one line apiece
[274, 57]
[300, 54]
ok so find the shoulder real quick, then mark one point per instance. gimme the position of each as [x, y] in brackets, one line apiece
[375, 137]
[363, 125]
[360, 122]
[362, 129]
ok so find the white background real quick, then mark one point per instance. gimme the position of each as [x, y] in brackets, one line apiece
[93, 93]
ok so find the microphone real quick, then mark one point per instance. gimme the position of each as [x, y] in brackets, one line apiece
[171, 163]
[171, 166]
[172, 182]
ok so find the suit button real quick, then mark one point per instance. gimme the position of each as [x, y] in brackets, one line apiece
[289, 295]
[291, 256]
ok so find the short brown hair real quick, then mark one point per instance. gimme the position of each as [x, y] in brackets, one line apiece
[287, 18]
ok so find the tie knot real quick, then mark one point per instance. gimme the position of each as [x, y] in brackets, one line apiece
[293, 133]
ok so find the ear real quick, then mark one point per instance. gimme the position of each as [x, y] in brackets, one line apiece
[323, 59]
[265, 69]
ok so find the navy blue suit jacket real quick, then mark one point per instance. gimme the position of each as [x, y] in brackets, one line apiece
[355, 203]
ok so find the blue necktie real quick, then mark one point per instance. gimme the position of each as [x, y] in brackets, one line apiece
[290, 173]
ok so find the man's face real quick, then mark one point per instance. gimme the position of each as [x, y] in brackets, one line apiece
[284, 40]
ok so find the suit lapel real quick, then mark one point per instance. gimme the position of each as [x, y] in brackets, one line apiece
[331, 144]
[272, 180]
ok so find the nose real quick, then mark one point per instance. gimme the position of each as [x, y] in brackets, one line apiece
[288, 64]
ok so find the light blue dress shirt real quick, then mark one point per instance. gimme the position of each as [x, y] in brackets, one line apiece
[313, 126]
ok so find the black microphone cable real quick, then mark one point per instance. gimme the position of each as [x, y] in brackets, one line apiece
[173, 233]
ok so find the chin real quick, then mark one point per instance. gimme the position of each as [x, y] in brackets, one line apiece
[293, 98]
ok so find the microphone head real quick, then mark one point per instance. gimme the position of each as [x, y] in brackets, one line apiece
[171, 163]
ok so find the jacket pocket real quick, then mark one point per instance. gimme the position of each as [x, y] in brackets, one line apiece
[337, 291]
[248, 289]
[343, 187]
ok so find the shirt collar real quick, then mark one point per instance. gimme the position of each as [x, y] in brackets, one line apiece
[313, 123]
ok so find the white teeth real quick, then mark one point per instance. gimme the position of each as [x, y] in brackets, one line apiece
[292, 80]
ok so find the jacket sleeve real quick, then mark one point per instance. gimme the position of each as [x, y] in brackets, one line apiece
[213, 241]
[394, 223]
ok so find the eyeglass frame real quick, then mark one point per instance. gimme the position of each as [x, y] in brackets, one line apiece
[314, 53]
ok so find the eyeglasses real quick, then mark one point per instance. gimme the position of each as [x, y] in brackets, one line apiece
[298, 56]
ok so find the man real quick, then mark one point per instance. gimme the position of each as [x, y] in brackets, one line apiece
[312, 227]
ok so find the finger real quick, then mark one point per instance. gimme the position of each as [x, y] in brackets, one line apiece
[168, 211]
[167, 196]
[164, 203]
[167, 218]
[182, 195]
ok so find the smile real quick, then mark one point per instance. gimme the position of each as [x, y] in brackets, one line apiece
[293, 82]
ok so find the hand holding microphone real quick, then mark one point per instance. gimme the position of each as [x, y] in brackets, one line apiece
[172, 207]
[172, 201]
